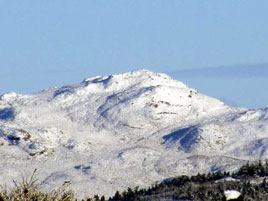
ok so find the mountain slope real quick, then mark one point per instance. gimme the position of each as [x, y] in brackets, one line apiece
[133, 129]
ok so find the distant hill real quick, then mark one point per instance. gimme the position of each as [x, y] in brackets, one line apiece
[250, 70]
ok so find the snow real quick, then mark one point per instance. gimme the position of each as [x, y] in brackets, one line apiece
[231, 194]
[109, 133]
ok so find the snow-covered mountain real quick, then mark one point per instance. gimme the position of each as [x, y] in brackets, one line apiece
[132, 129]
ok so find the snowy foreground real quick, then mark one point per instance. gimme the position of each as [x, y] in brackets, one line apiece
[133, 129]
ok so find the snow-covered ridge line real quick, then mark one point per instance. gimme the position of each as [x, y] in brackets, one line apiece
[108, 133]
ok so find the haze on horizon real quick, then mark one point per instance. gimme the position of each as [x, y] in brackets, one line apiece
[55, 43]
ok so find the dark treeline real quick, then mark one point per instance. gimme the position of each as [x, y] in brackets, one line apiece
[249, 180]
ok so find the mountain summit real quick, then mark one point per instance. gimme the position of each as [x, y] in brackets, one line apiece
[133, 129]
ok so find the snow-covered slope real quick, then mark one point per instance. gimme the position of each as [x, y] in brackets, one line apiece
[133, 129]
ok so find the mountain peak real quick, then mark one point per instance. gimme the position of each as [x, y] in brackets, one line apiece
[151, 96]
[139, 77]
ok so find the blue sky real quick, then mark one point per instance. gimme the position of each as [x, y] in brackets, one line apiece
[238, 85]
[52, 43]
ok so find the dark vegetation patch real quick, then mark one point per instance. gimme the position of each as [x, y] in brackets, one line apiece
[13, 139]
[250, 180]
